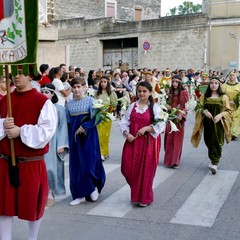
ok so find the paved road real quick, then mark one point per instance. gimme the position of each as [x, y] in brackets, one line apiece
[190, 203]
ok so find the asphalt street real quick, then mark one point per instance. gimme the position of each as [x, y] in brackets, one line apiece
[190, 203]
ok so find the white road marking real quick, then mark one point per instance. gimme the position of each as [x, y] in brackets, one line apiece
[108, 169]
[118, 204]
[203, 205]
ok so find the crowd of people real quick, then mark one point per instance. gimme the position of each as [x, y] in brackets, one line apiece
[54, 115]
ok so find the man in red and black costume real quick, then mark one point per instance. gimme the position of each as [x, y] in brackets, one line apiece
[32, 125]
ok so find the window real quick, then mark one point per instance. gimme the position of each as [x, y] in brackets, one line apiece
[138, 14]
[110, 8]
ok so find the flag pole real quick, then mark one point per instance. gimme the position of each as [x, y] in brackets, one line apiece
[13, 170]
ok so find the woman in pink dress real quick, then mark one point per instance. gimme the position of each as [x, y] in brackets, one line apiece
[141, 150]
[173, 141]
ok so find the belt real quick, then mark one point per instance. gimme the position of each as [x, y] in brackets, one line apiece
[23, 159]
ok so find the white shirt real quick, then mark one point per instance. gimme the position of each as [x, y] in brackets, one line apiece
[58, 84]
[37, 136]
[158, 128]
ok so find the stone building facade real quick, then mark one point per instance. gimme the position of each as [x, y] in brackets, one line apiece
[209, 40]
[121, 10]
[223, 34]
[173, 42]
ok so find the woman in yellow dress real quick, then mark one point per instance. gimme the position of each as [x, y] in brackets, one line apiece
[109, 99]
[232, 89]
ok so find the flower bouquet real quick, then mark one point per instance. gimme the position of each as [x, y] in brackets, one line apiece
[91, 92]
[101, 112]
[170, 116]
[164, 86]
[174, 119]
[164, 91]
[125, 103]
[193, 105]
[101, 115]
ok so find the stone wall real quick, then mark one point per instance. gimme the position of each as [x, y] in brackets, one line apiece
[96, 9]
[150, 9]
[204, 41]
[175, 42]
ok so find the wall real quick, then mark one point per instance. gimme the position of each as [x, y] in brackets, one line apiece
[176, 42]
[224, 47]
[96, 9]
[150, 9]
[51, 53]
[224, 34]
[223, 8]
[203, 41]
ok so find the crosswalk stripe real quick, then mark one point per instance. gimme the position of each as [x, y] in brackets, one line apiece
[110, 167]
[118, 204]
[107, 167]
[203, 205]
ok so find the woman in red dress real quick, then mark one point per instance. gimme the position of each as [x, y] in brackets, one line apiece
[141, 150]
[173, 141]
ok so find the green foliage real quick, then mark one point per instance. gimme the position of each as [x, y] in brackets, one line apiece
[236, 101]
[186, 8]
[11, 33]
[173, 11]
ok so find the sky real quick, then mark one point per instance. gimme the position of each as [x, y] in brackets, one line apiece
[168, 4]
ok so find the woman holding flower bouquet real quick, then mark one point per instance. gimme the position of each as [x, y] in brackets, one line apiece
[141, 125]
[110, 100]
[214, 119]
[87, 175]
[173, 141]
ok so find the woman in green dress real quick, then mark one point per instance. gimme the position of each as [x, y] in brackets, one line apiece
[214, 120]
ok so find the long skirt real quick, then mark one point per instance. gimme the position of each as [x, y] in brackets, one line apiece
[104, 129]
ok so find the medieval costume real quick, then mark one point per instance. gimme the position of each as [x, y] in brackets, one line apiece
[36, 117]
[214, 133]
[86, 169]
[54, 160]
[173, 141]
[104, 128]
[233, 92]
[140, 157]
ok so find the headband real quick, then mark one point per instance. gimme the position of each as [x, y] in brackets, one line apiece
[46, 88]
[215, 78]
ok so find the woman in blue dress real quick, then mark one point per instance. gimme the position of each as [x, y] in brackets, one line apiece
[58, 149]
[87, 175]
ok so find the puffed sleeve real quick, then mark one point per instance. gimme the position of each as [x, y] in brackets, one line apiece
[37, 136]
[125, 122]
[160, 126]
[2, 131]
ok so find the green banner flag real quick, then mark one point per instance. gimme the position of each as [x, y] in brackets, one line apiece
[18, 34]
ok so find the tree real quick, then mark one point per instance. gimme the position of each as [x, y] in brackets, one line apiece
[173, 11]
[185, 8]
